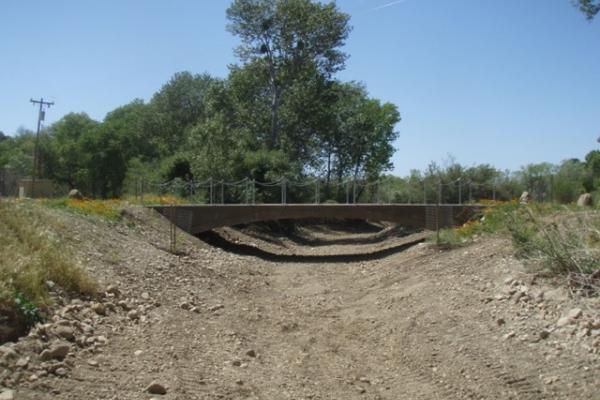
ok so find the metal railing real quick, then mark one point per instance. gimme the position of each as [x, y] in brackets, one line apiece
[313, 191]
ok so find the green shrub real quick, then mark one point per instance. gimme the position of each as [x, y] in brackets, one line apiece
[567, 242]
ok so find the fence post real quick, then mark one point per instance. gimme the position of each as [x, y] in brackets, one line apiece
[253, 193]
[470, 192]
[283, 199]
[173, 226]
[222, 191]
[437, 216]
[424, 192]
[494, 191]
[459, 192]
[317, 191]
[210, 191]
[378, 194]
[142, 191]
[247, 192]
[354, 191]
[347, 193]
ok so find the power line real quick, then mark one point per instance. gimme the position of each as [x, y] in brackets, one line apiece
[41, 117]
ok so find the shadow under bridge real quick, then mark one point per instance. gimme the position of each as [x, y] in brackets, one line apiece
[196, 219]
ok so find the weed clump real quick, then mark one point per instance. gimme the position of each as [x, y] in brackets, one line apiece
[564, 243]
[29, 258]
[555, 240]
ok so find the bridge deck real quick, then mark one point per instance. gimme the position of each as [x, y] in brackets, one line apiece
[201, 218]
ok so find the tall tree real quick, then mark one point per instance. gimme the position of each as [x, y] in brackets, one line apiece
[175, 108]
[589, 7]
[287, 38]
[68, 161]
[360, 143]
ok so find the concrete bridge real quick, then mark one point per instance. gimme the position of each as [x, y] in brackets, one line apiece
[196, 219]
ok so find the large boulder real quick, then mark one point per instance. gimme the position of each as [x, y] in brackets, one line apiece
[525, 198]
[585, 200]
[75, 194]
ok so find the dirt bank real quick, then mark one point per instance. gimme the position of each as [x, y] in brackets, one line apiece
[207, 324]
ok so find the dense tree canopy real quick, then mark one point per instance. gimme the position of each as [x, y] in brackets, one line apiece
[286, 42]
[280, 113]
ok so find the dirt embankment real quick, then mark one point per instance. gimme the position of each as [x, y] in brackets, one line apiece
[209, 324]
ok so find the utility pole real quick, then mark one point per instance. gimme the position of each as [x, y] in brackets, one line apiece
[41, 117]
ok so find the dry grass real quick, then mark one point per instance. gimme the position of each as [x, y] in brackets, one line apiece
[553, 239]
[30, 255]
[565, 243]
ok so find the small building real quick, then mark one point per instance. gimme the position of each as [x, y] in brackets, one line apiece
[39, 188]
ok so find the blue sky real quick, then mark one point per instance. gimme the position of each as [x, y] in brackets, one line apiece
[502, 82]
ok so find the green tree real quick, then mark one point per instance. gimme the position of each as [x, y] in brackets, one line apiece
[589, 7]
[537, 179]
[359, 145]
[569, 181]
[174, 109]
[105, 163]
[68, 162]
[288, 39]
[592, 164]
[17, 153]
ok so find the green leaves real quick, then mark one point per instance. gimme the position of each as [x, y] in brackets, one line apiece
[291, 41]
[589, 7]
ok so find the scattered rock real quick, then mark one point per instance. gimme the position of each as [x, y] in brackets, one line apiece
[64, 332]
[7, 394]
[216, 307]
[61, 371]
[93, 363]
[22, 362]
[56, 352]
[124, 305]
[500, 321]
[525, 198]
[574, 313]
[156, 388]
[114, 290]
[564, 321]
[236, 363]
[558, 295]
[99, 308]
[138, 353]
[551, 379]
[75, 194]
[133, 314]
[7, 353]
[585, 200]
[544, 334]
[145, 296]
[251, 353]
[508, 335]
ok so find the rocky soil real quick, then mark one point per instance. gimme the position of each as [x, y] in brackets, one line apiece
[204, 323]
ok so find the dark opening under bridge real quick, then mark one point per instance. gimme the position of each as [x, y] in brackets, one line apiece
[196, 219]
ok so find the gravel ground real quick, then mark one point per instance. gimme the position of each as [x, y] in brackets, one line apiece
[421, 323]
